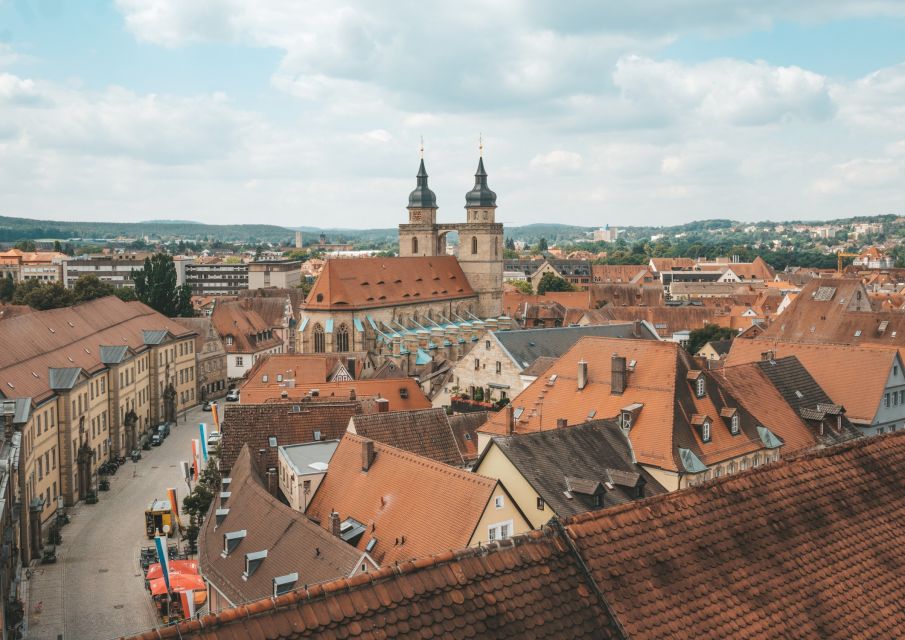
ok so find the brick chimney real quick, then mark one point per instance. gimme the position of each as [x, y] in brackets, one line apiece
[618, 375]
[383, 405]
[582, 374]
[509, 417]
[334, 523]
[352, 395]
[367, 454]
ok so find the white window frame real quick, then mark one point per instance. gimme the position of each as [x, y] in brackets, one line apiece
[499, 502]
[495, 531]
[700, 386]
[734, 427]
[705, 431]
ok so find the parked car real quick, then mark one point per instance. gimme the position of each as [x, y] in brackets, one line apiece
[233, 395]
[213, 439]
[156, 440]
[163, 429]
[207, 406]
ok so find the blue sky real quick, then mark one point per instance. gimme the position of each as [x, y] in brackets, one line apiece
[296, 113]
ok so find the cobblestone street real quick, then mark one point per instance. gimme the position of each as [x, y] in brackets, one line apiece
[96, 589]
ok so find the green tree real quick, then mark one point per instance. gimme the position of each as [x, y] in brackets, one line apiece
[196, 504]
[155, 285]
[523, 286]
[699, 337]
[542, 244]
[57, 246]
[509, 244]
[7, 287]
[126, 294]
[552, 282]
[89, 287]
[26, 245]
[42, 296]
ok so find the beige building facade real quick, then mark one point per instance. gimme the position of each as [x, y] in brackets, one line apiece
[282, 274]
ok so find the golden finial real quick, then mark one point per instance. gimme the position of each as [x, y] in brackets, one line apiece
[481, 144]
[422, 147]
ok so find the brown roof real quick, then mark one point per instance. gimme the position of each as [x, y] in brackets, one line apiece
[665, 320]
[272, 309]
[807, 548]
[288, 537]
[670, 264]
[426, 433]
[12, 310]
[625, 295]
[403, 394]
[432, 506]
[514, 301]
[358, 283]
[71, 337]
[531, 587]
[539, 366]
[854, 377]
[233, 319]
[658, 382]
[465, 427]
[621, 273]
[290, 423]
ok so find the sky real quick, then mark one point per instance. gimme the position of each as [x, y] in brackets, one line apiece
[591, 112]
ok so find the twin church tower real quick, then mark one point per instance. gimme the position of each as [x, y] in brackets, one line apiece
[480, 238]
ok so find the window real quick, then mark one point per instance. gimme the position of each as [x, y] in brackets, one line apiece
[238, 361]
[498, 502]
[598, 499]
[272, 441]
[477, 365]
[540, 504]
[705, 431]
[886, 400]
[415, 246]
[499, 531]
[499, 367]
[487, 344]
[320, 342]
[229, 340]
[342, 338]
[735, 424]
[306, 486]
[699, 386]
[474, 245]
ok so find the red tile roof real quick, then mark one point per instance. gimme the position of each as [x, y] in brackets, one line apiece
[287, 535]
[425, 433]
[243, 325]
[658, 382]
[403, 394]
[433, 506]
[359, 283]
[807, 548]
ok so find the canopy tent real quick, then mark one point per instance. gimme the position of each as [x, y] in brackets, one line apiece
[178, 582]
[176, 566]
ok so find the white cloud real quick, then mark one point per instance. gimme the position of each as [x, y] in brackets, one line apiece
[557, 161]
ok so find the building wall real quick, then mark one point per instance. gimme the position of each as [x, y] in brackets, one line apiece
[216, 279]
[264, 275]
[117, 272]
[493, 516]
[292, 485]
[496, 465]
[238, 364]
[892, 417]
[487, 352]
[40, 459]
[42, 272]
[484, 269]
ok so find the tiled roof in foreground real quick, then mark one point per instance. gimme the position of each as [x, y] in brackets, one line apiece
[810, 547]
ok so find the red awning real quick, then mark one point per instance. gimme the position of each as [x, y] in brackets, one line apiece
[178, 582]
[176, 566]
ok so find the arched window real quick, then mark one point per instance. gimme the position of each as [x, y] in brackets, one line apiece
[474, 245]
[320, 344]
[414, 246]
[342, 338]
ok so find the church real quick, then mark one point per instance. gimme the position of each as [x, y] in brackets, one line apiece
[424, 305]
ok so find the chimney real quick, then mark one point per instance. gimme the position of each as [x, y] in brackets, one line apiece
[636, 329]
[509, 416]
[582, 374]
[350, 365]
[561, 423]
[367, 454]
[352, 395]
[618, 374]
[766, 356]
[334, 523]
[383, 405]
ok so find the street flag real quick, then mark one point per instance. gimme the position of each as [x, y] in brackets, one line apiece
[188, 604]
[215, 414]
[195, 457]
[160, 542]
[203, 429]
[174, 504]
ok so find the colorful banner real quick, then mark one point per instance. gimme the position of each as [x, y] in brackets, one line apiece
[187, 474]
[174, 505]
[215, 414]
[188, 604]
[202, 428]
[196, 461]
[160, 542]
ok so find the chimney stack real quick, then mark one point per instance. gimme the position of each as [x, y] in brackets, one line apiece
[383, 405]
[352, 395]
[618, 381]
[367, 454]
[509, 416]
[334, 523]
[582, 374]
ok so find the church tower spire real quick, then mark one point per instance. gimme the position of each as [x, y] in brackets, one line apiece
[420, 237]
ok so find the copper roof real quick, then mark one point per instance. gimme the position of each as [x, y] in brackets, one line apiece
[293, 543]
[412, 505]
[361, 283]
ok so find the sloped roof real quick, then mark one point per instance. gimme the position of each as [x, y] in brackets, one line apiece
[527, 345]
[433, 506]
[291, 423]
[531, 587]
[426, 433]
[658, 382]
[288, 537]
[71, 337]
[854, 377]
[597, 451]
[465, 428]
[113, 354]
[539, 366]
[243, 325]
[362, 283]
[63, 378]
[403, 394]
[665, 320]
[620, 272]
[625, 295]
[807, 548]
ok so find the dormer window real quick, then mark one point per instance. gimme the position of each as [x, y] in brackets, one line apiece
[229, 341]
[699, 386]
[705, 431]
[734, 425]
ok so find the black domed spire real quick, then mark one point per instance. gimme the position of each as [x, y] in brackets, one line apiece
[480, 195]
[422, 197]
